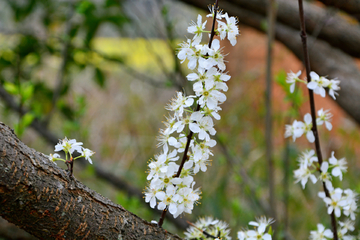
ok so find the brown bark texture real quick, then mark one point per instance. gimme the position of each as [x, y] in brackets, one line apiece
[42, 199]
[100, 172]
[349, 6]
[325, 59]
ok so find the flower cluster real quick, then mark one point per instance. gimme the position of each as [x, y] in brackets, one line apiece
[317, 83]
[69, 147]
[188, 130]
[259, 232]
[208, 226]
[338, 201]
[298, 128]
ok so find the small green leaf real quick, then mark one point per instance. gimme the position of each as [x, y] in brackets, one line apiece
[11, 88]
[270, 231]
[27, 119]
[27, 91]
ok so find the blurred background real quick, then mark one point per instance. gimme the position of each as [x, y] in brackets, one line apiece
[101, 71]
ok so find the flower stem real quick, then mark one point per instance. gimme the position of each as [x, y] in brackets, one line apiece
[189, 137]
[312, 107]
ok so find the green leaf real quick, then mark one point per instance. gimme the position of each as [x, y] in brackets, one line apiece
[11, 88]
[27, 119]
[27, 91]
[24, 122]
[100, 77]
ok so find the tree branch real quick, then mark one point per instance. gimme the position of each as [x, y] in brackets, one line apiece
[99, 171]
[325, 60]
[349, 6]
[42, 199]
[337, 31]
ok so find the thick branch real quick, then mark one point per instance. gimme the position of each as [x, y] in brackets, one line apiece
[337, 31]
[40, 197]
[100, 172]
[325, 60]
[349, 6]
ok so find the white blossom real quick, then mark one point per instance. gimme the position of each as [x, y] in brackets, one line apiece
[87, 153]
[317, 84]
[68, 146]
[324, 117]
[229, 28]
[197, 29]
[339, 166]
[333, 87]
[212, 226]
[321, 233]
[292, 78]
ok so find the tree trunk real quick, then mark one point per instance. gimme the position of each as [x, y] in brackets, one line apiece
[42, 199]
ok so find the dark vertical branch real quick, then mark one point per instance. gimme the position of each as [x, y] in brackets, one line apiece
[312, 107]
[189, 137]
[268, 116]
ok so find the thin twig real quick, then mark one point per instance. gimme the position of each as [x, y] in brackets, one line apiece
[312, 107]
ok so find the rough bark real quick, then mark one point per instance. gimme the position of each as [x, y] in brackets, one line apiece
[100, 172]
[324, 59]
[43, 200]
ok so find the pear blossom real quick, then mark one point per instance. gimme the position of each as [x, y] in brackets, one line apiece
[68, 146]
[210, 98]
[261, 224]
[321, 233]
[292, 78]
[212, 226]
[351, 204]
[335, 203]
[179, 103]
[215, 56]
[197, 29]
[307, 157]
[219, 14]
[294, 130]
[298, 128]
[347, 226]
[302, 175]
[167, 199]
[333, 87]
[87, 153]
[150, 193]
[230, 28]
[324, 117]
[53, 157]
[317, 84]
[339, 166]
[325, 175]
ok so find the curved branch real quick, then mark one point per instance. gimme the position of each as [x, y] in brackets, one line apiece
[337, 31]
[349, 6]
[100, 172]
[42, 199]
[326, 60]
